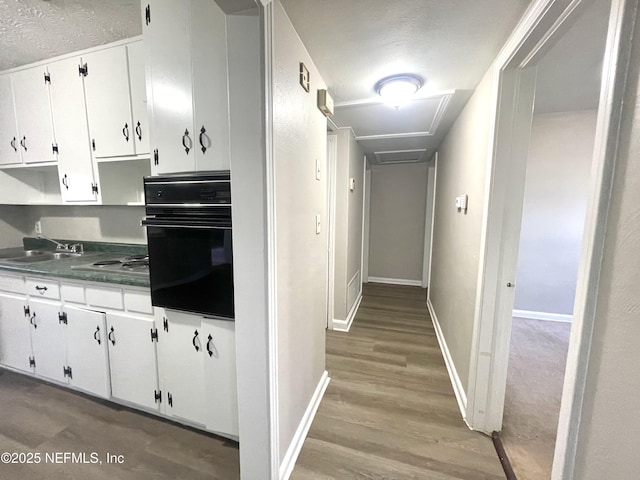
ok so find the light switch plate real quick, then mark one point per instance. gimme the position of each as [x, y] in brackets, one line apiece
[304, 77]
[317, 224]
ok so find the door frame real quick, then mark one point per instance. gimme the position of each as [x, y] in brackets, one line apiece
[332, 159]
[430, 211]
[544, 21]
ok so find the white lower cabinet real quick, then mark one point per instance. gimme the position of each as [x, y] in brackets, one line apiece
[48, 339]
[15, 338]
[197, 366]
[87, 356]
[180, 364]
[132, 357]
[221, 391]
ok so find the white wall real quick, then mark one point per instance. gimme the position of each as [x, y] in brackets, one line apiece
[461, 167]
[396, 223]
[14, 225]
[555, 201]
[348, 224]
[609, 432]
[299, 139]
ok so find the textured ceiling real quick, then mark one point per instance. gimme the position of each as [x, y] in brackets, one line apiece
[569, 74]
[32, 30]
[450, 43]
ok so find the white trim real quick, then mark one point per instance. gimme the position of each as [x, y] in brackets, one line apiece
[289, 460]
[332, 158]
[428, 224]
[386, 136]
[456, 383]
[549, 317]
[345, 325]
[378, 100]
[366, 231]
[272, 267]
[396, 281]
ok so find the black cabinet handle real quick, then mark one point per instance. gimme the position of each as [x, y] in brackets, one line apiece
[203, 132]
[111, 336]
[65, 181]
[195, 337]
[13, 144]
[125, 131]
[209, 350]
[32, 320]
[147, 14]
[96, 335]
[23, 143]
[186, 137]
[41, 289]
[139, 131]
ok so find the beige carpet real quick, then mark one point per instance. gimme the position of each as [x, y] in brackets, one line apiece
[534, 387]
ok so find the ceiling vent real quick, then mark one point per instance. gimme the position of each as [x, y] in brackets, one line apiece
[400, 156]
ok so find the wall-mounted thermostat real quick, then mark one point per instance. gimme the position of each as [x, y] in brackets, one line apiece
[325, 103]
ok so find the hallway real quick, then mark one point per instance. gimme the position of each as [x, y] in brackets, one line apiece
[390, 411]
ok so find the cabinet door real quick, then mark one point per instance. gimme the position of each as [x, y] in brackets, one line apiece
[87, 351]
[9, 140]
[167, 44]
[138, 84]
[211, 102]
[132, 359]
[15, 340]
[33, 113]
[72, 133]
[221, 391]
[109, 102]
[48, 339]
[180, 357]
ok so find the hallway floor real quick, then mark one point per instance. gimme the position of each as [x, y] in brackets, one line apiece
[390, 412]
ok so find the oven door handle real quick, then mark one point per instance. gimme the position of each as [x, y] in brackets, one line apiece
[164, 223]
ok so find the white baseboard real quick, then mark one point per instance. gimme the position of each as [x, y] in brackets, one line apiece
[289, 461]
[345, 325]
[456, 383]
[551, 317]
[395, 281]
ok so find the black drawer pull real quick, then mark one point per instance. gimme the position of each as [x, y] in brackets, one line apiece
[32, 320]
[125, 132]
[184, 141]
[41, 289]
[112, 336]
[203, 133]
[23, 143]
[96, 335]
[13, 144]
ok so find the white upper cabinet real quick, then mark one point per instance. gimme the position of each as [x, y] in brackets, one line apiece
[9, 140]
[210, 72]
[109, 103]
[36, 138]
[137, 80]
[186, 56]
[75, 167]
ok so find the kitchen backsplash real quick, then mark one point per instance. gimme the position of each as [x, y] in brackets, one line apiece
[117, 224]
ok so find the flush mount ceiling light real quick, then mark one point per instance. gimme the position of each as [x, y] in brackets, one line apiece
[397, 90]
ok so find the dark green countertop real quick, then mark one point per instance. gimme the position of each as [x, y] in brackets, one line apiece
[93, 252]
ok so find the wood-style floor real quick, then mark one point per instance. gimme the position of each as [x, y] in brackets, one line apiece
[390, 412]
[39, 418]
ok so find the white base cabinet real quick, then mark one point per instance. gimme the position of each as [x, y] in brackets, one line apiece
[87, 356]
[132, 356]
[48, 340]
[15, 338]
[197, 366]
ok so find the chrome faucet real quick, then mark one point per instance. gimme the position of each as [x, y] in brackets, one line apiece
[74, 248]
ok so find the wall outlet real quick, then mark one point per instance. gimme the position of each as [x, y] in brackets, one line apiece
[38, 227]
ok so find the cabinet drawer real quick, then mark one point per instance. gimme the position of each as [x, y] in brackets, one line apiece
[10, 283]
[72, 293]
[105, 297]
[39, 288]
[138, 302]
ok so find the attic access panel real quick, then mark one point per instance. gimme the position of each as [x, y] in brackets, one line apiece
[399, 156]
[421, 115]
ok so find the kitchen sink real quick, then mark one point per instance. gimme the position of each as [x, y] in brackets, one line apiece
[35, 256]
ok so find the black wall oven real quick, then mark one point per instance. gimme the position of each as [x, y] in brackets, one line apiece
[188, 222]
